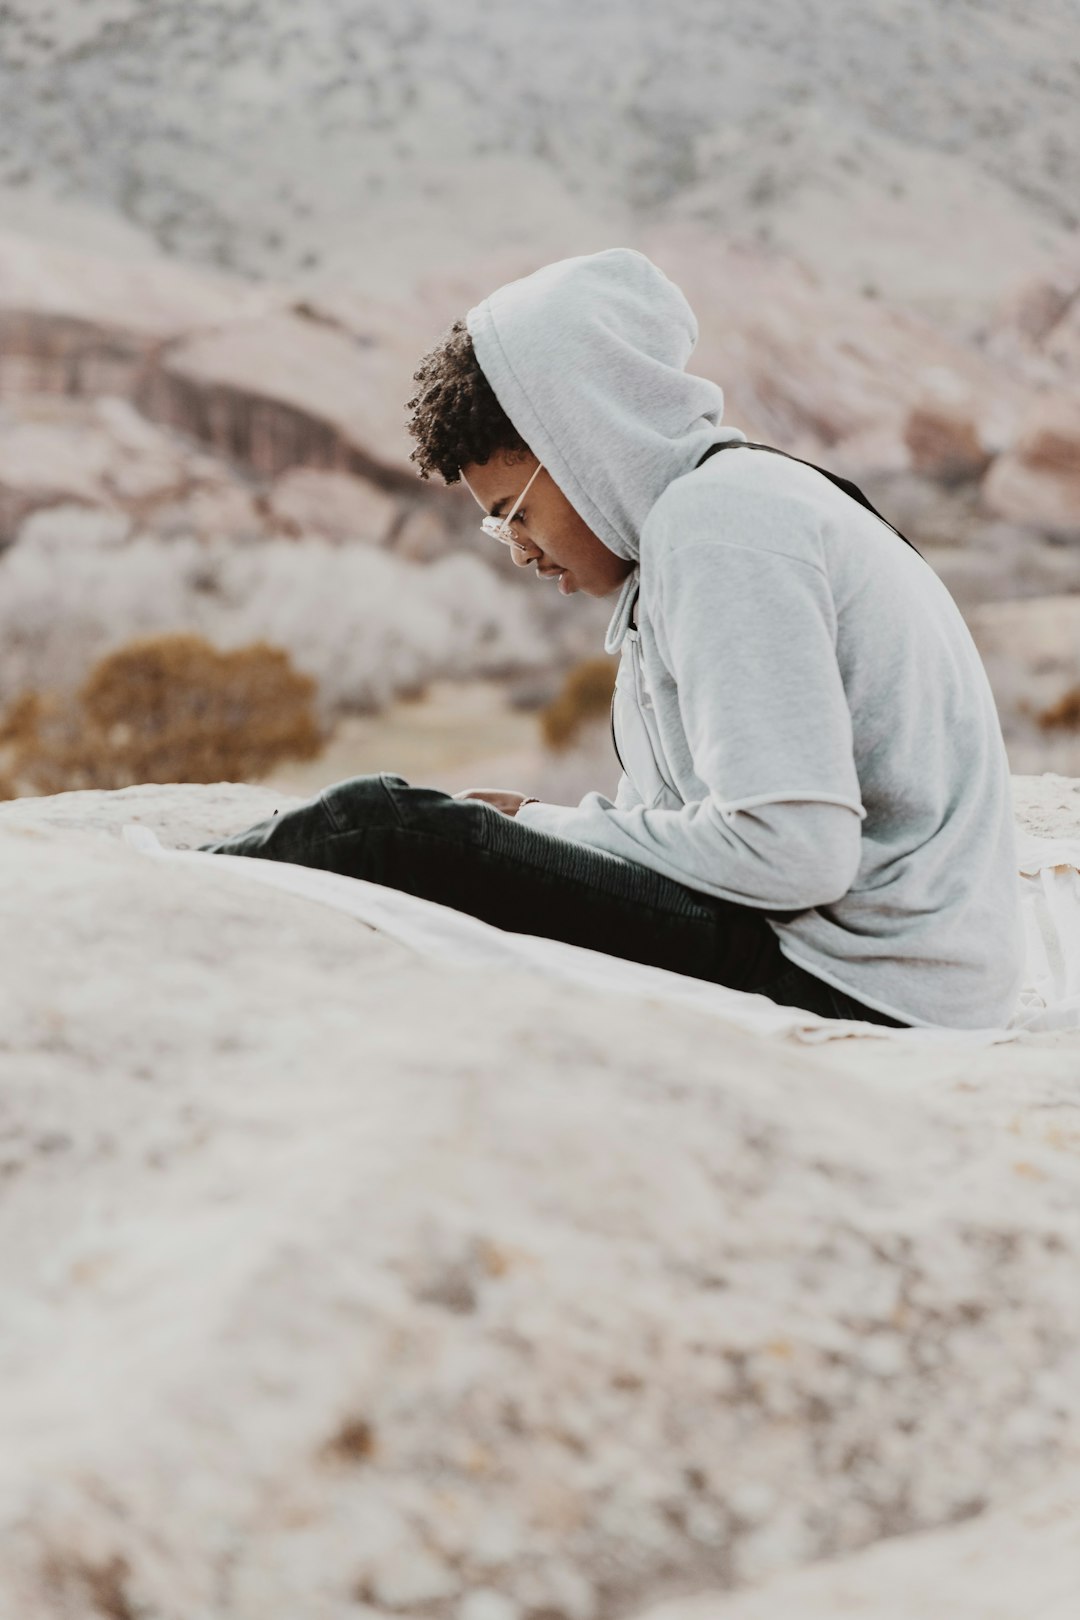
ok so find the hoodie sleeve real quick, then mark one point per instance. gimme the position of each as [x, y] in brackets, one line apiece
[749, 637]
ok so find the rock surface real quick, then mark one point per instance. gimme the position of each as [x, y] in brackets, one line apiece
[807, 367]
[1021, 1561]
[264, 380]
[308, 500]
[80, 322]
[316, 1303]
[1031, 652]
[252, 412]
[1038, 482]
[283, 391]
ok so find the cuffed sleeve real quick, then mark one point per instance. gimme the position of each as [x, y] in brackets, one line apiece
[786, 855]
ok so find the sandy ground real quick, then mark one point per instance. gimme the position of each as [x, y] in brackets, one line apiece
[436, 740]
[459, 735]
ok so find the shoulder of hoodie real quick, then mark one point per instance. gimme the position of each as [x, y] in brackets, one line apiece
[751, 499]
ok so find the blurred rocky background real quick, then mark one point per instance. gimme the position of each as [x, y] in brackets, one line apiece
[228, 232]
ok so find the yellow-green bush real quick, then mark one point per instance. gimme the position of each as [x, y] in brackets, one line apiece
[165, 708]
[584, 695]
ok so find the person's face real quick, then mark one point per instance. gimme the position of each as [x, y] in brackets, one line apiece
[551, 533]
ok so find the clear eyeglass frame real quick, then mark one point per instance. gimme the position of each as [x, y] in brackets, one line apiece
[500, 528]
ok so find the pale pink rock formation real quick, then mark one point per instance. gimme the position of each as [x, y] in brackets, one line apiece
[149, 463]
[225, 508]
[1031, 650]
[1062, 343]
[1033, 307]
[874, 450]
[1036, 324]
[84, 323]
[943, 438]
[281, 390]
[809, 366]
[335, 505]
[256, 375]
[1037, 482]
[424, 534]
[46, 463]
[274, 382]
[64, 451]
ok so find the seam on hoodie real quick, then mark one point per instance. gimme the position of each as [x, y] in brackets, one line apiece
[680, 546]
[811, 794]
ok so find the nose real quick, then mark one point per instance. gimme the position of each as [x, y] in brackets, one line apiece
[523, 558]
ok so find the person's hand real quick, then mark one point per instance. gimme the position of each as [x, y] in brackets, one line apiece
[504, 799]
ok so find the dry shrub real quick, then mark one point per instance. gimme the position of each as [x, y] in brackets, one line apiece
[584, 695]
[18, 735]
[166, 708]
[364, 624]
[1065, 713]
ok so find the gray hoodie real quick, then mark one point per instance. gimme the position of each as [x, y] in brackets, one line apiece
[805, 723]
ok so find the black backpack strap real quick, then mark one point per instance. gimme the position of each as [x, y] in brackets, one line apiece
[841, 483]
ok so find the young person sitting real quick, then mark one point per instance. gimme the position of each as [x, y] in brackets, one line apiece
[815, 801]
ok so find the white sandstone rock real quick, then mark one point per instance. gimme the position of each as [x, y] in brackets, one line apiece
[242, 1137]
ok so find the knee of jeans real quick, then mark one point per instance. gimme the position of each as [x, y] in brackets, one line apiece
[362, 801]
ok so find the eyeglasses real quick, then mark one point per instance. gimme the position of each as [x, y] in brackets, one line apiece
[499, 528]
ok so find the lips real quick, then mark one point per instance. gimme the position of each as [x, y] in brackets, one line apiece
[562, 575]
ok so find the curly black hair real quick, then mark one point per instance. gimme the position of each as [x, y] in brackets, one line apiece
[456, 419]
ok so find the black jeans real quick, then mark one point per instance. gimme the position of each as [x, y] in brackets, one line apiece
[466, 854]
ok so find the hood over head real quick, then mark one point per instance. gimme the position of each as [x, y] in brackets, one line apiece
[587, 358]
